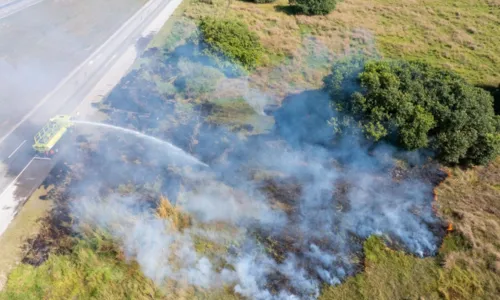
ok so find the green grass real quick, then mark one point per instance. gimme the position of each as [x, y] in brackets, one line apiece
[459, 35]
[393, 274]
[237, 114]
[454, 242]
[91, 271]
[174, 29]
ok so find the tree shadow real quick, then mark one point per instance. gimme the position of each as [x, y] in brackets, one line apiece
[303, 118]
[495, 92]
[290, 10]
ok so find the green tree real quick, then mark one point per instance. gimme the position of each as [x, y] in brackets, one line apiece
[233, 40]
[416, 105]
[315, 7]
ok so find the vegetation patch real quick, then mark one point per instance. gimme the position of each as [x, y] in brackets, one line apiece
[415, 105]
[315, 7]
[238, 115]
[196, 79]
[233, 40]
[93, 269]
[176, 94]
[390, 274]
[264, 1]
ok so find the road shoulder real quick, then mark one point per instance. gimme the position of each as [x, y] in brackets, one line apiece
[26, 224]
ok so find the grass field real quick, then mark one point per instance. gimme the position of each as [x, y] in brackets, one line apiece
[468, 265]
[462, 35]
[459, 35]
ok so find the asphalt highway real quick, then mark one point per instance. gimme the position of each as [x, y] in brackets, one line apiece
[11, 7]
[23, 171]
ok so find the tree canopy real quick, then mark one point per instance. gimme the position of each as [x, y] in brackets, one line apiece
[315, 7]
[415, 105]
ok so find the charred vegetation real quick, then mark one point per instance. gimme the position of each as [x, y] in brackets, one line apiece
[296, 167]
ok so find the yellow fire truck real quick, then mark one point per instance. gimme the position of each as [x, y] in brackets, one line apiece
[46, 139]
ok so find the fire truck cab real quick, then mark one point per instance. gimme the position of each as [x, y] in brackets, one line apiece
[47, 138]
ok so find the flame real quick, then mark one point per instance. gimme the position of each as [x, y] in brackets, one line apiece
[450, 227]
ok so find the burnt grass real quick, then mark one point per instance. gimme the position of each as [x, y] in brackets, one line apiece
[100, 169]
[56, 235]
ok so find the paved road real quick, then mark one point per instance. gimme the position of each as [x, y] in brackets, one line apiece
[42, 44]
[11, 7]
[15, 146]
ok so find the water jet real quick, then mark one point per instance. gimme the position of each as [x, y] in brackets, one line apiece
[172, 148]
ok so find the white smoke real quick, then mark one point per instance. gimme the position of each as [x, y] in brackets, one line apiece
[323, 229]
[376, 206]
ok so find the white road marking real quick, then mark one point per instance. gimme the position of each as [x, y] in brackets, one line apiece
[16, 6]
[42, 158]
[15, 150]
[107, 63]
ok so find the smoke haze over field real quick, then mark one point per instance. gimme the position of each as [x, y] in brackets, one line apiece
[323, 232]
[315, 198]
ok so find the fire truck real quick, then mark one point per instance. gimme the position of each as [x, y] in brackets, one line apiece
[47, 138]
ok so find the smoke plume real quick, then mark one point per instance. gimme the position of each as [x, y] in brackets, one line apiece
[299, 202]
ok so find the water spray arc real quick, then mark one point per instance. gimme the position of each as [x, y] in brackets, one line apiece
[172, 148]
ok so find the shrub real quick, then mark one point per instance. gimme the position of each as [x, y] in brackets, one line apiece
[233, 40]
[315, 7]
[415, 105]
[196, 79]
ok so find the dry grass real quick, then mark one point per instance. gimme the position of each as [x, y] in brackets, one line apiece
[470, 199]
[468, 264]
[460, 35]
[181, 289]
[179, 220]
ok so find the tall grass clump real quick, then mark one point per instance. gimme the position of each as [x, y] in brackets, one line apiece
[178, 219]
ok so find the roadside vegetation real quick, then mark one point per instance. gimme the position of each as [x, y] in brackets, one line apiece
[93, 270]
[205, 82]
